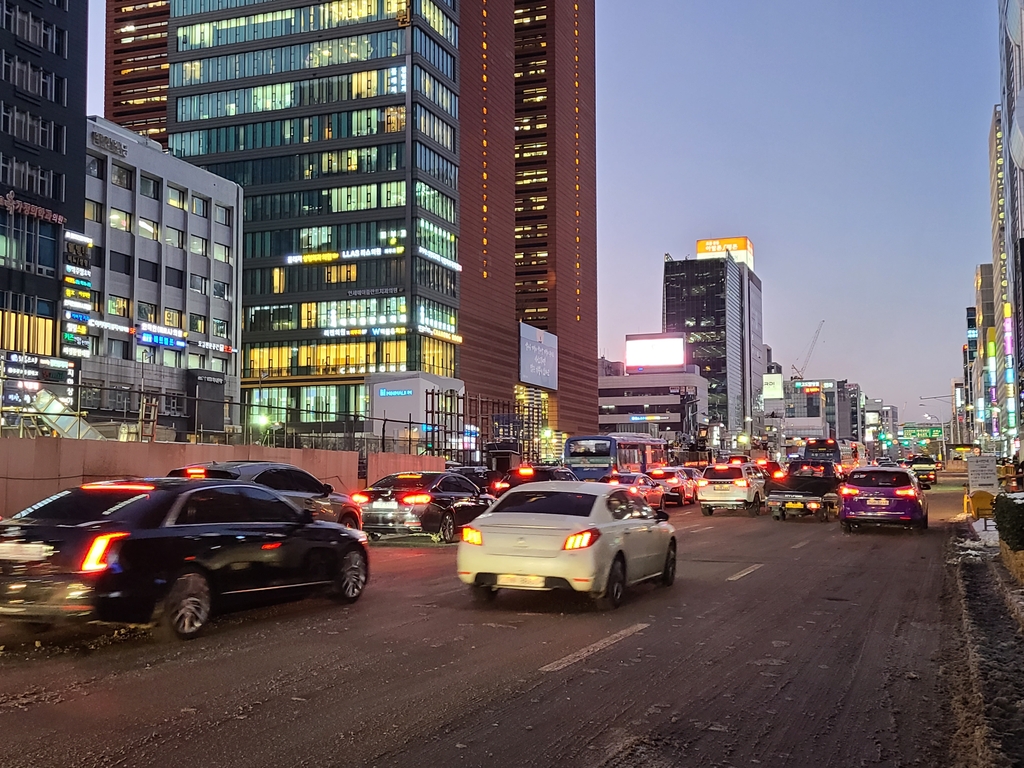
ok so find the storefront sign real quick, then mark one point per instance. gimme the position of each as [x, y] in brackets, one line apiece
[9, 203]
[105, 326]
[110, 145]
[162, 330]
[225, 348]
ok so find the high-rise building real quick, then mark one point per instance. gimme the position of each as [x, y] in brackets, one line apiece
[556, 196]
[1002, 286]
[340, 120]
[716, 302]
[42, 158]
[135, 92]
[986, 406]
[970, 353]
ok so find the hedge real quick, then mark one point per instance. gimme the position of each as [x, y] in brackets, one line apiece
[1009, 516]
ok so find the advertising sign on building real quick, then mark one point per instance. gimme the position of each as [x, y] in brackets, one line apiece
[740, 248]
[653, 352]
[772, 387]
[538, 357]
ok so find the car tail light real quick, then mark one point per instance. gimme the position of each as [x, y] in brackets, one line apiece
[472, 536]
[702, 482]
[673, 481]
[415, 499]
[613, 482]
[96, 558]
[657, 473]
[813, 505]
[195, 473]
[118, 487]
[735, 461]
[360, 498]
[778, 475]
[634, 490]
[583, 539]
[849, 490]
[525, 471]
[741, 483]
[501, 485]
[762, 462]
[907, 492]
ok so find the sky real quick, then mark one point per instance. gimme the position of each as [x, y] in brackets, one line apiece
[847, 140]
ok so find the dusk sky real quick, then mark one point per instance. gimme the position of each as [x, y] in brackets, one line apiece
[847, 140]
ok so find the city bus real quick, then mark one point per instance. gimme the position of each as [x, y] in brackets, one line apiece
[594, 456]
[844, 452]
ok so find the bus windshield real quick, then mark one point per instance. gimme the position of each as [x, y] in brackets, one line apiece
[589, 448]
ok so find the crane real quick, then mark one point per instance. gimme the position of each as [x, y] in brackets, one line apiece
[810, 351]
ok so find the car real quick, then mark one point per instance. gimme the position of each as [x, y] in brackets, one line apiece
[482, 477]
[527, 473]
[296, 485]
[591, 538]
[639, 484]
[885, 461]
[882, 496]
[421, 502]
[678, 484]
[738, 458]
[925, 469]
[731, 486]
[771, 468]
[169, 551]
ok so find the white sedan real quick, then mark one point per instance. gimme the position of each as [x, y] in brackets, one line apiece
[585, 537]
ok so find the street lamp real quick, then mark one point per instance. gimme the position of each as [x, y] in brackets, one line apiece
[942, 426]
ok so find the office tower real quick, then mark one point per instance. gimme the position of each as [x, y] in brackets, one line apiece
[556, 197]
[986, 406]
[165, 279]
[716, 300]
[135, 83]
[1002, 286]
[970, 353]
[340, 120]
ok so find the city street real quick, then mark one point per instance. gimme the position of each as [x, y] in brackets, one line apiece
[779, 644]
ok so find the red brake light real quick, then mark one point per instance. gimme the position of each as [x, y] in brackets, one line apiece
[525, 471]
[360, 498]
[735, 461]
[657, 473]
[908, 492]
[634, 490]
[415, 499]
[673, 481]
[501, 485]
[613, 482]
[583, 539]
[830, 442]
[96, 558]
[118, 487]
[702, 482]
[195, 473]
[762, 462]
[778, 474]
[849, 490]
[741, 483]
[472, 536]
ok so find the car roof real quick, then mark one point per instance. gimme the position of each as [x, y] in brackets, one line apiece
[163, 483]
[565, 486]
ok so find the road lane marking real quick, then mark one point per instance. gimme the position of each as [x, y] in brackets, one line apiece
[705, 528]
[801, 544]
[590, 650]
[745, 572]
[684, 527]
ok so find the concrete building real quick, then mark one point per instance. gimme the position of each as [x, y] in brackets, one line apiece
[669, 404]
[166, 272]
[800, 412]
[970, 354]
[135, 92]
[986, 406]
[1002, 288]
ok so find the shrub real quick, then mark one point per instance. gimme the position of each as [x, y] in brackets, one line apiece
[1009, 515]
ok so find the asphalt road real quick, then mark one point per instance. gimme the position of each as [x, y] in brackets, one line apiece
[781, 644]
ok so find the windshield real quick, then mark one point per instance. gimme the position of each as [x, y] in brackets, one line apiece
[82, 506]
[590, 448]
[405, 481]
[879, 479]
[546, 503]
[723, 473]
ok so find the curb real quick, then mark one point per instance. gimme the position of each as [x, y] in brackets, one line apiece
[1012, 592]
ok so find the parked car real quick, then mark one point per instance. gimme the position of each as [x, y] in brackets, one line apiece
[882, 496]
[678, 484]
[527, 473]
[421, 502]
[482, 477]
[167, 550]
[731, 486]
[593, 538]
[296, 485]
[640, 485]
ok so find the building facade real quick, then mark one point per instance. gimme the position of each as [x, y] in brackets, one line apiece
[166, 277]
[556, 197]
[800, 413]
[1002, 286]
[664, 404]
[986, 407]
[970, 354]
[341, 123]
[136, 70]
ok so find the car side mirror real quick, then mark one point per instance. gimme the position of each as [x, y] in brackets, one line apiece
[328, 489]
[661, 516]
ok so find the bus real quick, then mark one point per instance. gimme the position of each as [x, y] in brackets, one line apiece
[594, 456]
[846, 453]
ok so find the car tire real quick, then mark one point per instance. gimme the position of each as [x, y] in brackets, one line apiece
[846, 527]
[754, 507]
[661, 506]
[614, 588]
[446, 528]
[374, 536]
[483, 595]
[349, 520]
[668, 572]
[351, 575]
[706, 511]
[187, 607]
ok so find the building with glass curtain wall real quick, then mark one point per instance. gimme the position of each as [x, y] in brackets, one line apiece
[340, 120]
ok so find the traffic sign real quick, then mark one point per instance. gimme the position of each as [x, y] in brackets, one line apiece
[922, 433]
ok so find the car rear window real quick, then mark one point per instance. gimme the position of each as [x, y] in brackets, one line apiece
[924, 460]
[811, 469]
[662, 474]
[862, 479]
[83, 506]
[546, 503]
[405, 481]
[723, 473]
[619, 479]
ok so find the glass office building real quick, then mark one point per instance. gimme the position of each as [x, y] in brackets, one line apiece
[340, 120]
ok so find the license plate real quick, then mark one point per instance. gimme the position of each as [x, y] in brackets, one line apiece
[385, 505]
[794, 505]
[878, 502]
[20, 552]
[513, 580]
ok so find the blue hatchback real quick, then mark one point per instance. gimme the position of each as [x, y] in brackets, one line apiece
[882, 496]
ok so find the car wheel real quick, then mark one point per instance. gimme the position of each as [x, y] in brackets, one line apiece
[483, 595]
[447, 528]
[706, 511]
[754, 507]
[782, 515]
[661, 505]
[374, 536]
[668, 573]
[186, 607]
[615, 588]
[351, 576]
[847, 528]
[348, 520]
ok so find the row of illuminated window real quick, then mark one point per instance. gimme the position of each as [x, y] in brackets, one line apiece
[375, 274]
[361, 197]
[434, 314]
[430, 50]
[264, 26]
[531, 123]
[268, 98]
[281, 133]
[436, 202]
[321, 358]
[290, 58]
[435, 90]
[148, 229]
[434, 276]
[442, 169]
[325, 402]
[535, 176]
[121, 306]
[437, 239]
[34, 29]
[339, 162]
[433, 127]
[359, 235]
[31, 178]
[31, 128]
[438, 20]
[121, 349]
[34, 80]
[23, 331]
[28, 244]
[326, 314]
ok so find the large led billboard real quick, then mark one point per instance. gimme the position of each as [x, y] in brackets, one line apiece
[772, 387]
[655, 351]
[538, 357]
[741, 249]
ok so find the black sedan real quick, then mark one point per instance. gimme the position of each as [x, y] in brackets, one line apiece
[167, 550]
[421, 502]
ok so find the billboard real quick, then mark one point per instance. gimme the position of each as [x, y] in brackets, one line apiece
[772, 387]
[538, 357]
[653, 351]
[741, 248]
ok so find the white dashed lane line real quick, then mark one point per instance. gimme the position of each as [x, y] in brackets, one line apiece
[801, 544]
[745, 572]
[590, 650]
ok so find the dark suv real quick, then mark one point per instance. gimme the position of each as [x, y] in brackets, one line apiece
[482, 477]
[296, 485]
[528, 474]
